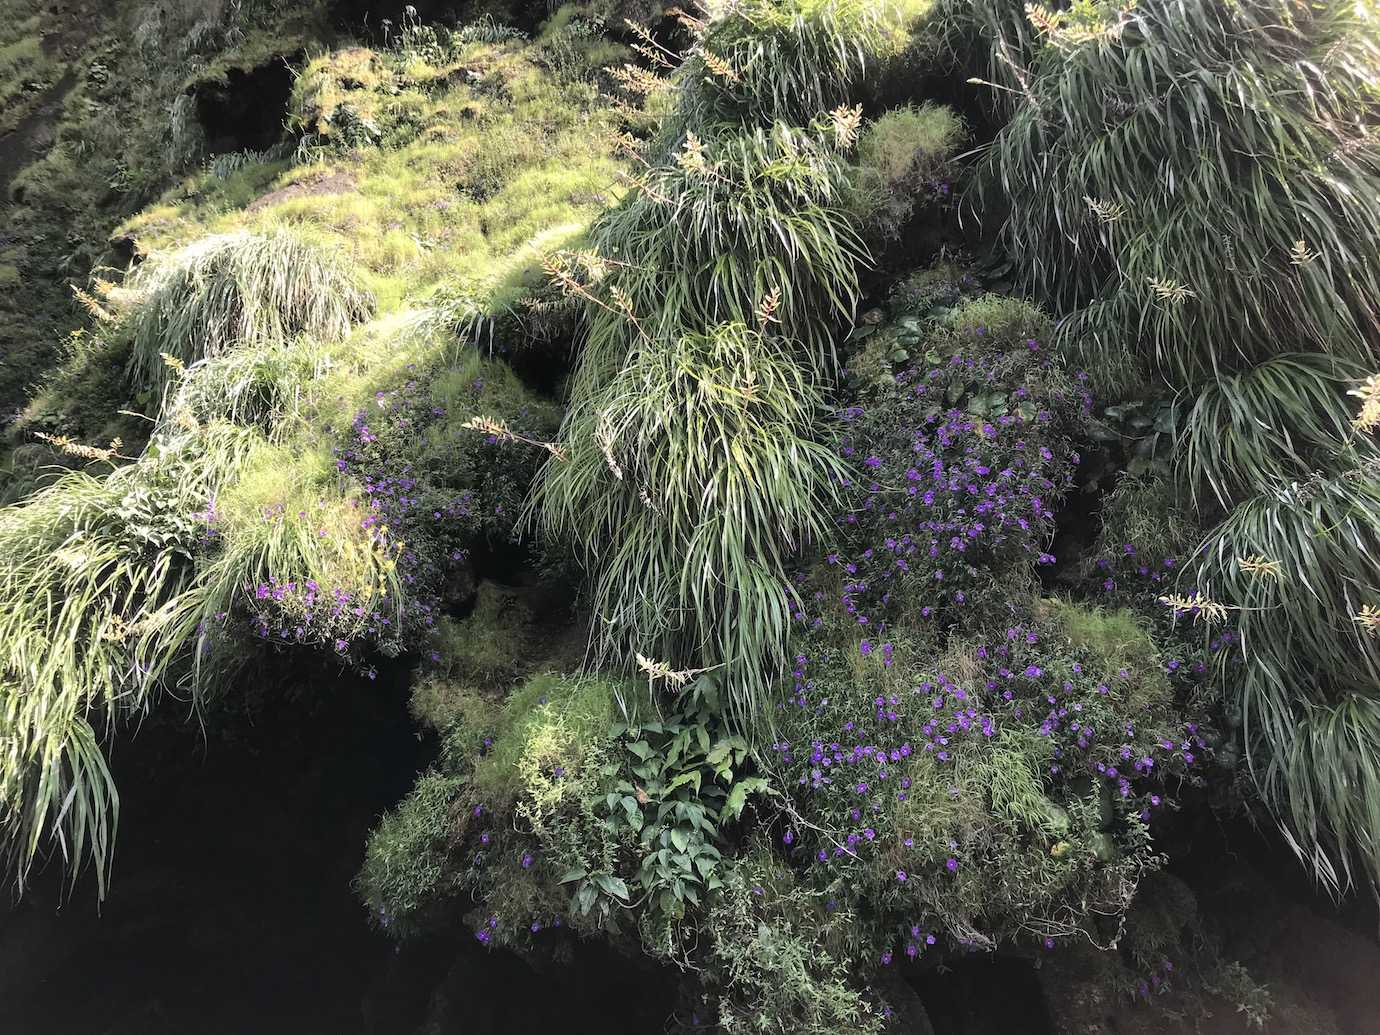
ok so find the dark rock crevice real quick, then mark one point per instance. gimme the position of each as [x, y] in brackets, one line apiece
[246, 110]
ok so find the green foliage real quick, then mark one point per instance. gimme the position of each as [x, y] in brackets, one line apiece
[774, 962]
[904, 154]
[789, 61]
[950, 398]
[237, 289]
[488, 644]
[703, 244]
[406, 863]
[677, 781]
[1144, 512]
[742, 219]
[1204, 233]
[1296, 571]
[1227, 237]
[1273, 424]
[1016, 807]
[688, 487]
[88, 624]
[261, 284]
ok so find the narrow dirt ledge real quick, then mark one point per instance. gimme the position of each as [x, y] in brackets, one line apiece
[34, 134]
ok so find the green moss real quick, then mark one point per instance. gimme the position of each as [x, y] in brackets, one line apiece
[554, 718]
[491, 644]
[1117, 638]
[905, 147]
[406, 863]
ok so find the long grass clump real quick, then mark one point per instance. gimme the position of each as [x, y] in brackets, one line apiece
[1270, 425]
[1297, 573]
[1198, 180]
[688, 490]
[691, 465]
[234, 289]
[119, 588]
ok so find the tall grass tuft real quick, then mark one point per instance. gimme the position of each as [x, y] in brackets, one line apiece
[234, 289]
[1196, 187]
[94, 572]
[691, 465]
[1297, 571]
[1273, 424]
[1198, 180]
[688, 489]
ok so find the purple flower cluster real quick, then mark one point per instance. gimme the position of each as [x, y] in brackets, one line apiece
[943, 496]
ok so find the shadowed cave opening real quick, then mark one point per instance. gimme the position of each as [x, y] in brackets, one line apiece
[246, 110]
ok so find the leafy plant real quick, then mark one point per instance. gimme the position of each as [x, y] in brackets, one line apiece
[679, 782]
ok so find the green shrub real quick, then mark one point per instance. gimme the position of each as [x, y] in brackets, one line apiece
[959, 439]
[904, 155]
[407, 866]
[773, 959]
[996, 792]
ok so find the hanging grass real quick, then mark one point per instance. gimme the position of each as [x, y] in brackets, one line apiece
[690, 480]
[1196, 187]
[1200, 179]
[1296, 571]
[235, 289]
[1268, 426]
[119, 588]
[736, 219]
[766, 60]
[93, 571]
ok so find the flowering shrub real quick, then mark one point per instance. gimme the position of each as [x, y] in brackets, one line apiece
[432, 484]
[962, 457]
[1002, 790]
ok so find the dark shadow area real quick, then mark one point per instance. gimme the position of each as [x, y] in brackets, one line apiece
[232, 910]
[985, 994]
[246, 111]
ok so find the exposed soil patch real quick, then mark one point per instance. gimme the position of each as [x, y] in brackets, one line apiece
[331, 183]
[34, 134]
